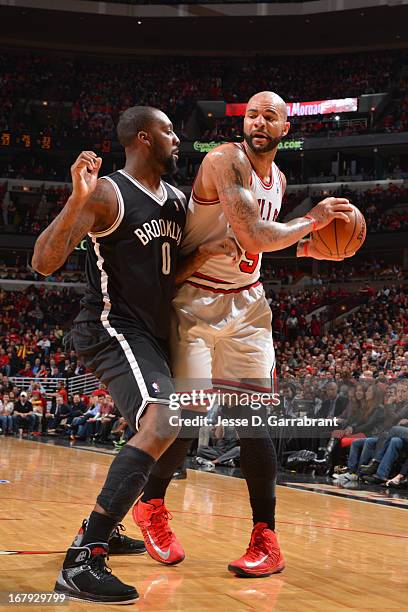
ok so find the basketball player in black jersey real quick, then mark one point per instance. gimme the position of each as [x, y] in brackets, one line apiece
[133, 223]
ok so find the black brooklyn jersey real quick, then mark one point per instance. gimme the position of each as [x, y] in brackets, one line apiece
[130, 267]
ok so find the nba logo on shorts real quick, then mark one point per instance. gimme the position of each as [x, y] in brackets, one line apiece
[155, 387]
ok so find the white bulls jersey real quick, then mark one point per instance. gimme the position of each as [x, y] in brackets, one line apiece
[206, 221]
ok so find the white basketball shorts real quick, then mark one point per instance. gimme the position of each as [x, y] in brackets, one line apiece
[218, 337]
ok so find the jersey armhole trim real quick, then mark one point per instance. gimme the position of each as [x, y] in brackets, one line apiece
[119, 217]
[202, 201]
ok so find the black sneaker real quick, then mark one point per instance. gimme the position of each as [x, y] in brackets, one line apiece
[401, 484]
[119, 544]
[86, 577]
[370, 468]
[180, 474]
[374, 479]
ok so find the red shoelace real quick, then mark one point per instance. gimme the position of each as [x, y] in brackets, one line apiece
[159, 521]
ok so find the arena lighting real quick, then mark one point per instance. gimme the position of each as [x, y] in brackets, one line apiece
[337, 118]
[45, 103]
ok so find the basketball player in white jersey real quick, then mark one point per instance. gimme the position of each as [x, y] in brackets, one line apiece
[222, 332]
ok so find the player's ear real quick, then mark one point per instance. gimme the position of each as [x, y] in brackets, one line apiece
[286, 128]
[144, 138]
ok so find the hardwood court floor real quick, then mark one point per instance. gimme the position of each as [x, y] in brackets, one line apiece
[341, 554]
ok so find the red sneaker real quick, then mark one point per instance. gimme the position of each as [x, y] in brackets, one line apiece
[263, 556]
[161, 543]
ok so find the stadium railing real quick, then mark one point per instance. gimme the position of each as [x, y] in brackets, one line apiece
[83, 384]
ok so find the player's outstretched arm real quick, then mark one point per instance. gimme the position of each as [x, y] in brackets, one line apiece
[230, 171]
[91, 206]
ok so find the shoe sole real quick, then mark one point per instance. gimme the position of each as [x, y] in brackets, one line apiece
[82, 596]
[241, 573]
[158, 558]
[176, 562]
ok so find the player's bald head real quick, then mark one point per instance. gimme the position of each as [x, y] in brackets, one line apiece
[268, 99]
[265, 122]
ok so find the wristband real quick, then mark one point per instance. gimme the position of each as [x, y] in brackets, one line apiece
[314, 222]
[306, 248]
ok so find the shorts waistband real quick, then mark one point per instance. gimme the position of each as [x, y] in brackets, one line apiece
[219, 290]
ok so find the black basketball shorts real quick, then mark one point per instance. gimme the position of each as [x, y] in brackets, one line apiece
[133, 366]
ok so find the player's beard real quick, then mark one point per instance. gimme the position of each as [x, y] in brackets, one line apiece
[270, 144]
[170, 165]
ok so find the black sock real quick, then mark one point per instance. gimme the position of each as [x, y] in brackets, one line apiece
[126, 479]
[263, 510]
[164, 469]
[258, 466]
[99, 529]
[155, 488]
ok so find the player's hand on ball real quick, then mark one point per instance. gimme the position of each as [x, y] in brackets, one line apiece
[306, 248]
[328, 209]
[84, 172]
[215, 248]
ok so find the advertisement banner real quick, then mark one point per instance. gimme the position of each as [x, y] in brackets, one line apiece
[205, 147]
[299, 109]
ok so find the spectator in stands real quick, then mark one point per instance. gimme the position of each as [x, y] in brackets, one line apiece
[60, 413]
[396, 442]
[334, 404]
[27, 371]
[78, 407]
[107, 420]
[315, 327]
[368, 418]
[23, 414]
[78, 425]
[396, 414]
[288, 400]
[6, 411]
[106, 416]
[37, 366]
[225, 449]
[4, 362]
[292, 324]
[61, 391]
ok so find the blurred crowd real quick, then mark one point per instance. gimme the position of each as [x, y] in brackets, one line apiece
[30, 213]
[83, 96]
[371, 342]
[231, 128]
[31, 332]
[89, 417]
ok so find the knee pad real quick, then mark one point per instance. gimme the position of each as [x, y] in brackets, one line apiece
[127, 476]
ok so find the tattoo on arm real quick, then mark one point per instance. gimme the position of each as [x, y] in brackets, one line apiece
[232, 173]
[238, 175]
[60, 238]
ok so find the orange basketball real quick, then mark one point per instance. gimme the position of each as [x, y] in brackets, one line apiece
[341, 239]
